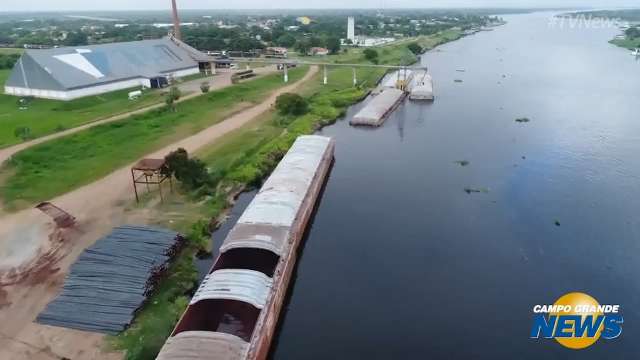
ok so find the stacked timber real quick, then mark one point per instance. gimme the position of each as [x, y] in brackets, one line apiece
[111, 279]
[234, 312]
[375, 111]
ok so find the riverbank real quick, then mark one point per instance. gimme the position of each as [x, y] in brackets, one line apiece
[627, 43]
[244, 158]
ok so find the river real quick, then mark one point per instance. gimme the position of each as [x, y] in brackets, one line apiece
[401, 263]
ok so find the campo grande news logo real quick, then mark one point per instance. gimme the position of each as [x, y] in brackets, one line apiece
[576, 320]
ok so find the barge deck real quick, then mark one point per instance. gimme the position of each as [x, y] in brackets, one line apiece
[376, 111]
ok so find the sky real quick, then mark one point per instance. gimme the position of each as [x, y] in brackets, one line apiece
[81, 5]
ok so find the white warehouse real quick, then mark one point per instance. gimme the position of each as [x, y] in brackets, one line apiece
[73, 72]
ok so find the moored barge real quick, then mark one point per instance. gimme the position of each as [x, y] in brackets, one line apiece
[234, 312]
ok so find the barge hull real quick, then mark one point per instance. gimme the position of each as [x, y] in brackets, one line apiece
[268, 320]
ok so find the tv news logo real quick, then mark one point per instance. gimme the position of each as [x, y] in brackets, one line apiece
[576, 320]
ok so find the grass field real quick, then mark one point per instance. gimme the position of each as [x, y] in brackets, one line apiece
[11, 51]
[60, 165]
[44, 116]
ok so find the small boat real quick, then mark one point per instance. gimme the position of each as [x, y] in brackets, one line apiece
[636, 52]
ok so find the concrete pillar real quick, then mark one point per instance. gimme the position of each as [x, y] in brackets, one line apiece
[324, 80]
[286, 73]
[355, 80]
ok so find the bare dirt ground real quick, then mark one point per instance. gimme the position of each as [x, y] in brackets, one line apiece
[221, 80]
[35, 257]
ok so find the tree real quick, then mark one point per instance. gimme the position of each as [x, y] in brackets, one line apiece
[291, 104]
[22, 132]
[315, 41]
[371, 55]
[172, 96]
[204, 87]
[415, 48]
[303, 46]
[632, 32]
[286, 40]
[76, 38]
[333, 45]
[192, 173]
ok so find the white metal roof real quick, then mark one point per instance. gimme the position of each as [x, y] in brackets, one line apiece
[257, 236]
[69, 68]
[190, 345]
[279, 199]
[244, 285]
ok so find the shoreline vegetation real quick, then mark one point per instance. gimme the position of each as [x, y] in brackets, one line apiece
[240, 162]
[627, 19]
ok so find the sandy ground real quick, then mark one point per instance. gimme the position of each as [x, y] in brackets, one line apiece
[221, 80]
[35, 257]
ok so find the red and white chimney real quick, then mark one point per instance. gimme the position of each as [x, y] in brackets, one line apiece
[176, 21]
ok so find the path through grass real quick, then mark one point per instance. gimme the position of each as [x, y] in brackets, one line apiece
[55, 167]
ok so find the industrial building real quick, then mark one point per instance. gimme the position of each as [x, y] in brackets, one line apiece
[72, 72]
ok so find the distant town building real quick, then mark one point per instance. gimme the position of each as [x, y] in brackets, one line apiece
[276, 52]
[318, 51]
[351, 29]
[72, 72]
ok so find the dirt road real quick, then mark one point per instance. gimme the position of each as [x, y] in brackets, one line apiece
[221, 80]
[98, 206]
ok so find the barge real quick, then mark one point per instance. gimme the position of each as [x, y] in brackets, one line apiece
[421, 86]
[376, 111]
[234, 312]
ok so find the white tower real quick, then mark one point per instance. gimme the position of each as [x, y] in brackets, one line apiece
[351, 29]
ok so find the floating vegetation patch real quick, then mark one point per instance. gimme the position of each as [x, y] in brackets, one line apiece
[470, 190]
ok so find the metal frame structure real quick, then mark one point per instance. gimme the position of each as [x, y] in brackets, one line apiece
[150, 172]
[294, 62]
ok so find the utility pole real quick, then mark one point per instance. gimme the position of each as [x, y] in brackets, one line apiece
[176, 21]
[325, 75]
[355, 80]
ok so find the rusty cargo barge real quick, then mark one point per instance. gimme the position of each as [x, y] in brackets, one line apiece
[234, 312]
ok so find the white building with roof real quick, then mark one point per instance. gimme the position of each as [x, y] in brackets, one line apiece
[72, 72]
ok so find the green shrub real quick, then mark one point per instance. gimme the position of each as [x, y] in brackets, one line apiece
[192, 173]
[172, 96]
[23, 132]
[204, 87]
[415, 48]
[292, 104]
[371, 55]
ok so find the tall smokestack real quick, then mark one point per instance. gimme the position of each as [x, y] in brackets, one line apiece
[176, 21]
